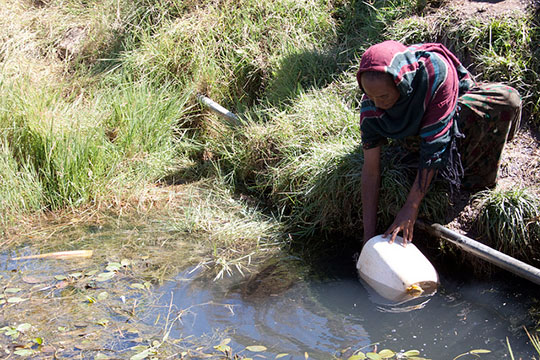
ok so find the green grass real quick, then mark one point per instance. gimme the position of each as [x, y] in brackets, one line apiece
[80, 151]
[232, 55]
[119, 114]
[510, 221]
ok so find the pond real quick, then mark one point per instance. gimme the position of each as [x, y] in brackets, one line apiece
[335, 314]
[108, 307]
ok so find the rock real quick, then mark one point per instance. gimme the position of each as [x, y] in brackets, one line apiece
[70, 46]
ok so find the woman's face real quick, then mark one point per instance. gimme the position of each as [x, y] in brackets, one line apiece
[381, 90]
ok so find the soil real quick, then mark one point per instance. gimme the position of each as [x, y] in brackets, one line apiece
[521, 162]
[489, 8]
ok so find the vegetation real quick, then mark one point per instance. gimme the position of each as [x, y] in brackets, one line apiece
[98, 102]
[509, 219]
[98, 119]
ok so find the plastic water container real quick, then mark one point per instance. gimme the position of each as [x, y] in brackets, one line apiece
[396, 272]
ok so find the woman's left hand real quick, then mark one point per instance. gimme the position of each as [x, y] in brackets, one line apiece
[404, 222]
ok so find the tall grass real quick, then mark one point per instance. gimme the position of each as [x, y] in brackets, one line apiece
[66, 156]
[79, 151]
[230, 50]
[146, 124]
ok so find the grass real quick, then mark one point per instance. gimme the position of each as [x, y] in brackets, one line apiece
[77, 148]
[231, 55]
[510, 221]
[535, 342]
[115, 113]
[105, 131]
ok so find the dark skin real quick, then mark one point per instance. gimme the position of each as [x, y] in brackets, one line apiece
[383, 92]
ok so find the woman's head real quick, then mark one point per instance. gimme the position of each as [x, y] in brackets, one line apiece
[380, 88]
[386, 73]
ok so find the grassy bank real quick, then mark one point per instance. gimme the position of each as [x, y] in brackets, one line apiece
[97, 104]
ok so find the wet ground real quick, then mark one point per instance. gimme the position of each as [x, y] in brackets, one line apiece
[120, 305]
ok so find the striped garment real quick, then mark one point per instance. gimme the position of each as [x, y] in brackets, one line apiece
[429, 79]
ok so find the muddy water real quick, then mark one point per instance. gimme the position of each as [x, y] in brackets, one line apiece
[334, 314]
[113, 307]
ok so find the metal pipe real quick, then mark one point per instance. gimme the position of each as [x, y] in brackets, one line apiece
[215, 107]
[485, 252]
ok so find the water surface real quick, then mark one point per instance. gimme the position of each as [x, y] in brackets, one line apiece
[326, 315]
[284, 304]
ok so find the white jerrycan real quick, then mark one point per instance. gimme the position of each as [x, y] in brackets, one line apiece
[396, 272]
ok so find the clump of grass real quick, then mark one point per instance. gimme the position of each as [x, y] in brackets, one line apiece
[81, 151]
[510, 220]
[146, 124]
[70, 158]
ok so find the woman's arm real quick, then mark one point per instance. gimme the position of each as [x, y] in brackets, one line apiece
[406, 217]
[371, 180]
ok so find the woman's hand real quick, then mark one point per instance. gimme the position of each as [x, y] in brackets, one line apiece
[404, 222]
[406, 217]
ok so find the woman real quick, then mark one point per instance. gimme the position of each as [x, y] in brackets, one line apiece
[423, 91]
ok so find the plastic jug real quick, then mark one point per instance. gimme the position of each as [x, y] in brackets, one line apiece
[396, 272]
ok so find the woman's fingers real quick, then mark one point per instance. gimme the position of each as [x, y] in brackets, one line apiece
[406, 228]
[388, 231]
[405, 236]
[395, 233]
[408, 233]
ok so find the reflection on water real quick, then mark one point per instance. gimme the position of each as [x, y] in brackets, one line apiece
[324, 316]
